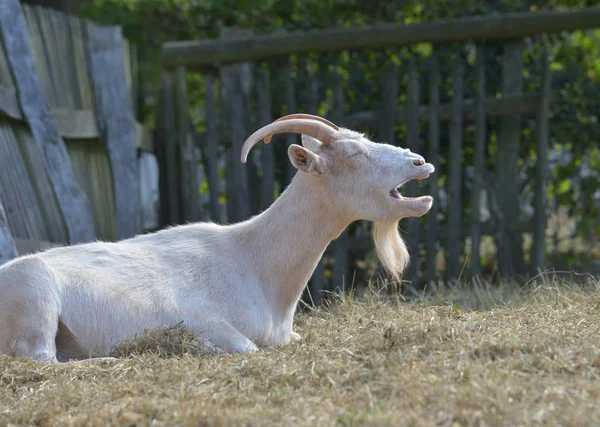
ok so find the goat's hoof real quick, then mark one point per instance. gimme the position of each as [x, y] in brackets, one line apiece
[295, 337]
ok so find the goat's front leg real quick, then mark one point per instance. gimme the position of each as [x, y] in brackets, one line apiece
[295, 336]
[224, 336]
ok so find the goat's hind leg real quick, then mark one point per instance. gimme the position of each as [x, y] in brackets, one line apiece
[29, 309]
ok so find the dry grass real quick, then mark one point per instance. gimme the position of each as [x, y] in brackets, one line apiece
[521, 358]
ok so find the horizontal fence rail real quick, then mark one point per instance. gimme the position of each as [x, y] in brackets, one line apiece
[252, 48]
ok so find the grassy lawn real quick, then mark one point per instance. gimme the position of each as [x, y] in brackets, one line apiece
[480, 357]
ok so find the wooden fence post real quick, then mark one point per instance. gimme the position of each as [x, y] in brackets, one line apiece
[33, 102]
[166, 153]
[478, 176]
[267, 159]
[290, 102]
[116, 123]
[433, 157]
[412, 143]
[455, 170]
[188, 162]
[340, 268]
[538, 254]
[8, 249]
[510, 244]
[212, 153]
[317, 284]
[389, 99]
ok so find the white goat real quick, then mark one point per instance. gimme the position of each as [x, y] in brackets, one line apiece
[236, 285]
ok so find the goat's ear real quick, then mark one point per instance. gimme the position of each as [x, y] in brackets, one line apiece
[305, 160]
[311, 143]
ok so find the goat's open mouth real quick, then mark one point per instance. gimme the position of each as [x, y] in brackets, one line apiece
[395, 193]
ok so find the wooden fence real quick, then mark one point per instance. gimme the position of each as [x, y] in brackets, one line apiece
[239, 99]
[69, 141]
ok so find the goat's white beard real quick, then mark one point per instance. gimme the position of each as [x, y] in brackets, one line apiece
[390, 247]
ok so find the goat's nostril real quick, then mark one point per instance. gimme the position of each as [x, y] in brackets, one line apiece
[418, 162]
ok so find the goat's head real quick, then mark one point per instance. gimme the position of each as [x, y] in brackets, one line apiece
[360, 178]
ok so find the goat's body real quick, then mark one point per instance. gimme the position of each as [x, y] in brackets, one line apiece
[237, 286]
[81, 301]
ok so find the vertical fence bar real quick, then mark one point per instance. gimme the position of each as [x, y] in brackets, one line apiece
[317, 284]
[510, 245]
[340, 268]
[290, 102]
[412, 143]
[434, 158]
[267, 159]
[114, 113]
[166, 153]
[188, 164]
[212, 154]
[455, 170]
[480, 147]
[389, 99]
[538, 255]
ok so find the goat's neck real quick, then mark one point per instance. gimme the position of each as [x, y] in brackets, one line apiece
[289, 239]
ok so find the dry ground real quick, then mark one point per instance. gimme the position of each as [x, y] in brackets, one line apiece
[514, 357]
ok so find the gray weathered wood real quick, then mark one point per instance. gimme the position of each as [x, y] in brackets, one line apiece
[389, 100]
[455, 171]
[166, 153]
[538, 254]
[497, 27]
[412, 143]
[8, 249]
[340, 267]
[188, 163]
[116, 123]
[290, 104]
[267, 159]
[317, 283]
[433, 157]
[510, 245]
[212, 153]
[33, 102]
[235, 80]
[480, 148]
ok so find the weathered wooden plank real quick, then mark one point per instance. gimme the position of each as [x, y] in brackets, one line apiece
[166, 153]
[510, 244]
[524, 104]
[455, 171]
[340, 267]
[8, 249]
[480, 149]
[188, 163]
[498, 27]
[234, 83]
[212, 154]
[291, 107]
[9, 102]
[143, 138]
[412, 143]
[538, 254]
[267, 157]
[116, 123]
[317, 283]
[30, 246]
[72, 200]
[389, 97]
[433, 157]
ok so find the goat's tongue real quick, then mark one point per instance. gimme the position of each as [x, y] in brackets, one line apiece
[394, 193]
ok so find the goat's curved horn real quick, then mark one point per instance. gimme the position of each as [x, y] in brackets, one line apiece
[314, 128]
[302, 116]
